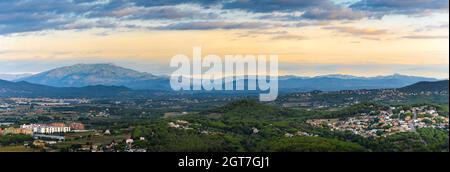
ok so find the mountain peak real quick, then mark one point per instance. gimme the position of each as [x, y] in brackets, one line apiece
[84, 66]
[80, 75]
[94, 65]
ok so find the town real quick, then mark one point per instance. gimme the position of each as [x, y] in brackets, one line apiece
[383, 123]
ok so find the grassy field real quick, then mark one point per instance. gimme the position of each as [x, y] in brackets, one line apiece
[445, 107]
[89, 137]
[18, 148]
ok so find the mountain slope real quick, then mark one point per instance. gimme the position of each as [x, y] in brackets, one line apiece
[12, 77]
[25, 89]
[344, 82]
[81, 75]
[336, 83]
[437, 86]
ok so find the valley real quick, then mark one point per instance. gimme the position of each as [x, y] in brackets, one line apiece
[378, 120]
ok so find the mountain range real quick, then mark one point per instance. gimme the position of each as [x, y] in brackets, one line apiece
[348, 82]
[25, 89]
[108, 81]
[82, 75]
[29, 90]
[12, 77]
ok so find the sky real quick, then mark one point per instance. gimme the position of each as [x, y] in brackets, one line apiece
[311, 37]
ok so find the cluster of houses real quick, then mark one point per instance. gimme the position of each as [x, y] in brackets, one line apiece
[386, 123]
[300, 133]
[12, 130]
[48, 101]
[180, 124]
[43, 128]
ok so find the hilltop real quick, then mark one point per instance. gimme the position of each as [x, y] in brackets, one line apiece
[437, 86]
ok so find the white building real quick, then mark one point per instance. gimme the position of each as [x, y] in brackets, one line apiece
[46, 129]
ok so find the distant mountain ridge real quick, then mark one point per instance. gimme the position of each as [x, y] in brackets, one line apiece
[81, 75]
[25, 89]
[334, 83]
[341, 76]
[29, 90]
[12, 77]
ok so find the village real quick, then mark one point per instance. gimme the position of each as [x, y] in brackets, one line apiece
[383, 123]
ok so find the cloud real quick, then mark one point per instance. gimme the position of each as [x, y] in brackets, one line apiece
[433, 27]
[19, 22]
[275, 35]
[314, 10]
[318, 14]
[158, 13]
[151, 3]
[86, 24]
[315, 23]
[289, 37]
[17, 16]
[24, 16]
[212, 25]
[257, 33]
[357, 31]
[426, 37]
[267, 32]
[42, 6]
[264, 6]
[402, 6]
[335, 13]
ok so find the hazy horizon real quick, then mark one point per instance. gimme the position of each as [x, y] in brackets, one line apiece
[281, 75]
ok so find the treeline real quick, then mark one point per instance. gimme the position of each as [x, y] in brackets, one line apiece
[11, 139]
